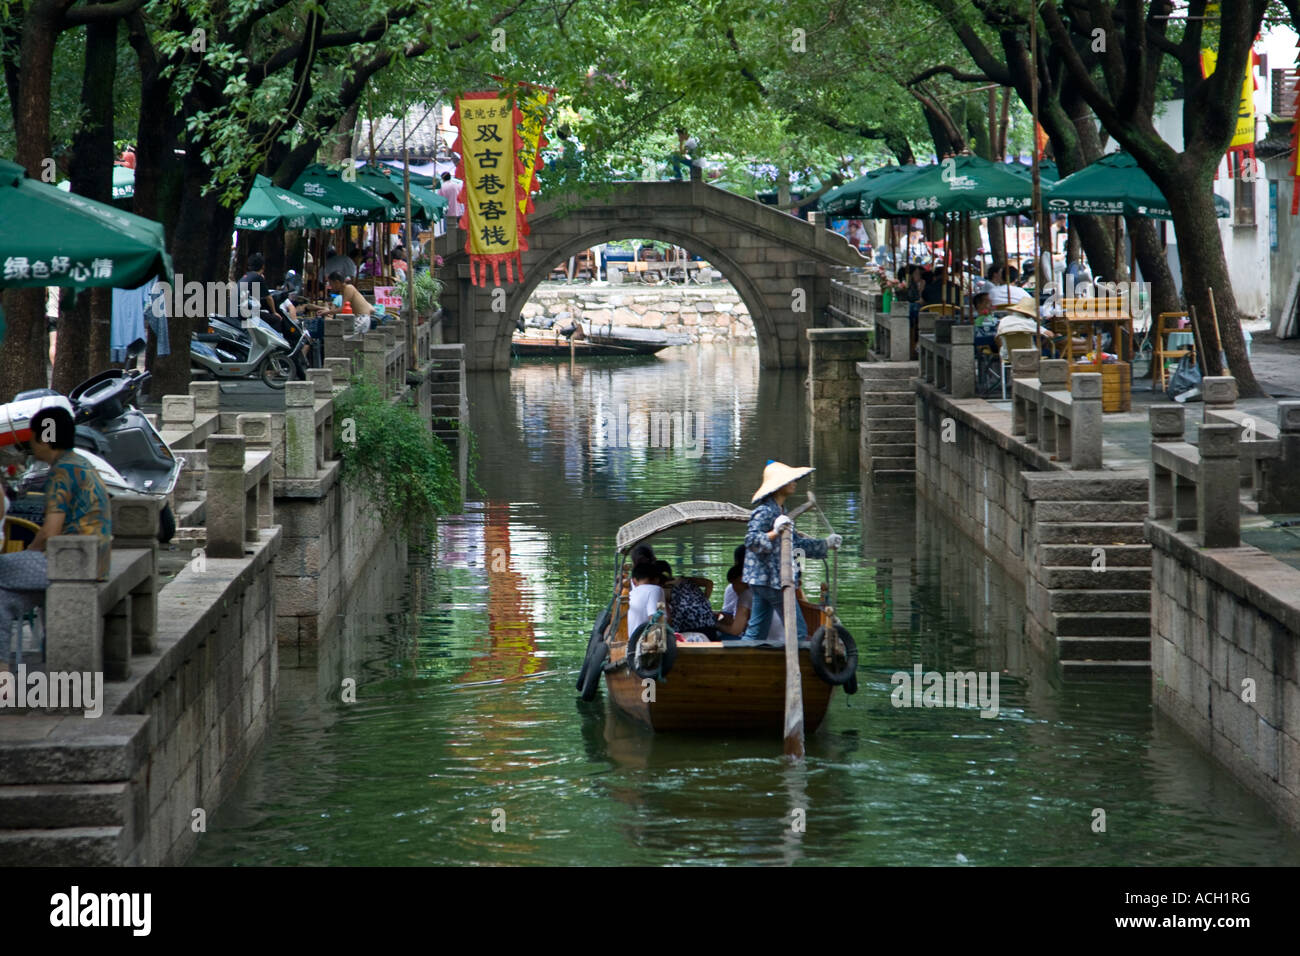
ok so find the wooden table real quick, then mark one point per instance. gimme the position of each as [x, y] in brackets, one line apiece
[1086, 317]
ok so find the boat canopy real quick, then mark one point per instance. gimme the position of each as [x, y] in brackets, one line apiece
[670, 516]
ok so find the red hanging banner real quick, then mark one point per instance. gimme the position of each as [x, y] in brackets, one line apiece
[489, 167]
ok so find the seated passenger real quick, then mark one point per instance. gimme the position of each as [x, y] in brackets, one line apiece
[646, 596]
[76, 502]
[689, 608]
[668, 582]
[731, 625]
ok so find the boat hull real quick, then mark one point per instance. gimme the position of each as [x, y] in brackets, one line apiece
[717, 688]
[534, 348]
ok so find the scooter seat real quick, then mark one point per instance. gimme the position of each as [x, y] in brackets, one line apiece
[208, 337]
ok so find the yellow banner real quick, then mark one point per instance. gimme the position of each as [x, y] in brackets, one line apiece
[1244, 134]
[531, 142]
[489, 168]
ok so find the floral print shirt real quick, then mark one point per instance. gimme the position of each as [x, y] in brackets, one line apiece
[763, 556]
[74, 488]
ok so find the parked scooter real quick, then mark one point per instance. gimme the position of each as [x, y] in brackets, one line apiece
[112, 435]
[256, 349]
[236, 341]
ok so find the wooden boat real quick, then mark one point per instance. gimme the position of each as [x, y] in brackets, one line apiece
[554, 345]
[645, 340]
[711, 686]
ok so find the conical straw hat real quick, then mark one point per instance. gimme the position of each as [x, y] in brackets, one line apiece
[776, 475]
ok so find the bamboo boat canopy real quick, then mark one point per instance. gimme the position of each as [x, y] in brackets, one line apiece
[670, 516]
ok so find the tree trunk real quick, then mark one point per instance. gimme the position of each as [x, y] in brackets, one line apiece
[84, 332]
[24, 355]
[1200, 250]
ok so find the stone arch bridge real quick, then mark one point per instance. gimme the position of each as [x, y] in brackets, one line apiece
[765, 254]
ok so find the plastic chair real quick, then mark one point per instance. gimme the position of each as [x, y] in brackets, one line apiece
[18, 534]
[1010, 342]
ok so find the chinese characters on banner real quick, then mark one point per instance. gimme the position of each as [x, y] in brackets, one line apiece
[490, 169]
[532, 141]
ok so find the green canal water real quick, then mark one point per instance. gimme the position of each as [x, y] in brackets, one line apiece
[465, 655]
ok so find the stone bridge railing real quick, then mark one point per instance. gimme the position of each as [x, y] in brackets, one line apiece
[853, 301]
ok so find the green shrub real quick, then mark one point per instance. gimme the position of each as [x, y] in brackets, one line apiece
[394, 459]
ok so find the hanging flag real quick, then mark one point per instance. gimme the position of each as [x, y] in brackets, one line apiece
[1040, 140]
[533, 140]
[489, 168]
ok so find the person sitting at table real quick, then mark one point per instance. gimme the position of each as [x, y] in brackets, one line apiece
[999, 290]
[76, 502]
[361, 309]
[399, 266]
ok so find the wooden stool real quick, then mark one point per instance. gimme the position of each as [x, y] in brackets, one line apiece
[1165, 323]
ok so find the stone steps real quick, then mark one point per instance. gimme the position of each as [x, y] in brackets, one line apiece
[1132, 624]
[883, 463]
[1139, 669]
[1081, 555]
[1072, 600]
[1096, 533]
[1086, 579]
[1091, 511]
[882, 450]
[49, 806]
[1109, 649]
[889, 398]
[65, 846]
[876, 413]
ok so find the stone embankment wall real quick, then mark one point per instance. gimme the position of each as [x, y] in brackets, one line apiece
[1226, 658]
[713, 313]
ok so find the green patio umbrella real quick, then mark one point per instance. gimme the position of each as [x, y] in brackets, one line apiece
[269, 208]
[49, 237]
[425, 205]
[123, 183]
[355, 202]
[963, 184]
[1114, 186]
[857, 199]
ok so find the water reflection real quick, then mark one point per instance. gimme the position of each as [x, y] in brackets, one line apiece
[465, 654]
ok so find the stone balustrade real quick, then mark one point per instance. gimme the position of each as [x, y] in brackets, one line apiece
[853, 300]
[1270, 452]
[239, 496]
[1195, 487]
[1059, 412]
[893, 338]
[947, 358]
[93, 624]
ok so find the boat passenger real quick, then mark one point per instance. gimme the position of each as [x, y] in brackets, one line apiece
[763, 561]
[689, 608]
[646, 595]
[732, 624]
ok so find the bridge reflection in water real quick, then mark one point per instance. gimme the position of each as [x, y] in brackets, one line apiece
[465, 668]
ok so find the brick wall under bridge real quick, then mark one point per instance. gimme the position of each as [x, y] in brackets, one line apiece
[764, 253]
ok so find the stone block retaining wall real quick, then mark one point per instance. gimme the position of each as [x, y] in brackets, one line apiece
[1222, 617]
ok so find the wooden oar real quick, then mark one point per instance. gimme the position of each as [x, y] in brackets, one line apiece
[793, 679]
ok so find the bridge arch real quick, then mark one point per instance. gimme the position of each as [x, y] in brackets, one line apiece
[765, 254]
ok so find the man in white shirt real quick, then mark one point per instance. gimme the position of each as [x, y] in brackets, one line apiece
[645, 598]
[1000, 293]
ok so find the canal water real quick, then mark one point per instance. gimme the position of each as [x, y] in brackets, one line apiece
[467, 744]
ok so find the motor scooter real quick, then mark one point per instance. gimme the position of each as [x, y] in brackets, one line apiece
[112, 434]
[242, 348]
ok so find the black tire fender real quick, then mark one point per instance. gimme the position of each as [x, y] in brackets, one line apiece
[669, 657]
[597, 637]
[592, 671]
[847, 669]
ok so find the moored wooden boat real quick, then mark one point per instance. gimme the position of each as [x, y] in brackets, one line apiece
[527, 346]
[706, 686]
